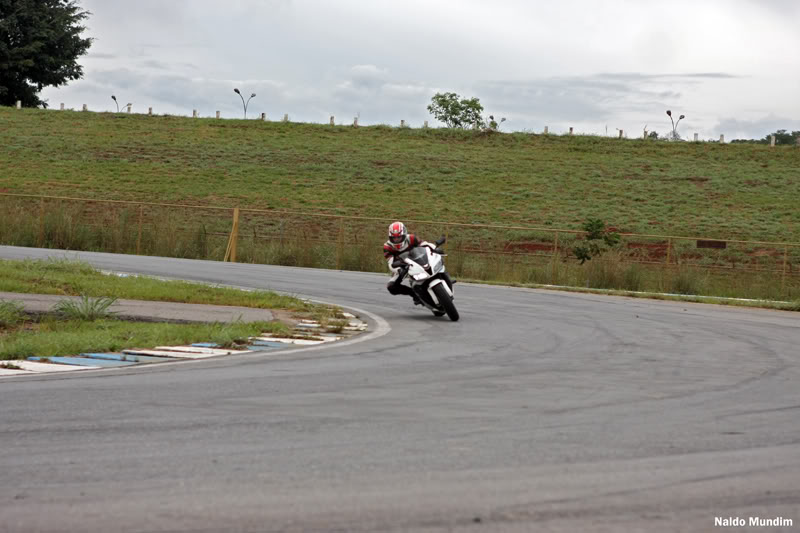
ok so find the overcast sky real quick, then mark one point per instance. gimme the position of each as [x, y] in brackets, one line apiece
[730, 65]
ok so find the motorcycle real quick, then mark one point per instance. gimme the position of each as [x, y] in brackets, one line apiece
[424, 268]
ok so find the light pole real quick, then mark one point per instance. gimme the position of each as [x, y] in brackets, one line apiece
[244, 104]
[115, 101]
[675, 124]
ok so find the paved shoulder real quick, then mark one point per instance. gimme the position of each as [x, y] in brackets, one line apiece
[150, 310]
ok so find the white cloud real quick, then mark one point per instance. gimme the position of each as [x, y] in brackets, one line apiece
[575, 62]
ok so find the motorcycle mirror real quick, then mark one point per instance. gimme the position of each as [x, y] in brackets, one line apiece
[398, 264]
[441, 240]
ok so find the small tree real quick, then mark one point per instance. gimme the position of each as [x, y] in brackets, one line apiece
[40, 42]
[456, 112]
[597, 240]
[783, 137]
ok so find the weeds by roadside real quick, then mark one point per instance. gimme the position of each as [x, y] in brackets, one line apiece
[11, 313]
[85, 308]
[52, 337]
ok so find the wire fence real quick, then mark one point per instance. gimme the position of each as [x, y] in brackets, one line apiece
[274, 236]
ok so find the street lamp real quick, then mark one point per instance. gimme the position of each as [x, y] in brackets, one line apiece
[244, 104]
[675, 124]
[115, 101]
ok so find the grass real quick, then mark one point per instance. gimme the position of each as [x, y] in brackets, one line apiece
[725, 191]
[53, 337]
[85, 326]
[11, 313]
[86, 309]
[75, 278]
[746, 192]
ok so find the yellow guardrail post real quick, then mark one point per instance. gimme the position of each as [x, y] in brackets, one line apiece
[230, 253]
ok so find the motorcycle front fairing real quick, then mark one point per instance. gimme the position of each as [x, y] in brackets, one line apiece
[425, 269]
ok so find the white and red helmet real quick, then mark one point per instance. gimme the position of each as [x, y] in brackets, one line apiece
[398, 236]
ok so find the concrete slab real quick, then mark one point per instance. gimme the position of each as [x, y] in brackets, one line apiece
[88, 362]
[299, 342]
[35, 366]
[13, 372]
[199, 349]
[169, 354]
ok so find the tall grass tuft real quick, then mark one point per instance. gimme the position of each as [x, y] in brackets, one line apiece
[11, 313]
[687, 280]
[89, 309]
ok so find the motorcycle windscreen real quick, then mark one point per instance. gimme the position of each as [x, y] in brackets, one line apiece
[419, 256]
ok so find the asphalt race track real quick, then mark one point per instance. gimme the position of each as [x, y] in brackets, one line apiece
[538, 411]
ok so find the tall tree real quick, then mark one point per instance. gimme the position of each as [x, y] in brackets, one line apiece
[40, 43]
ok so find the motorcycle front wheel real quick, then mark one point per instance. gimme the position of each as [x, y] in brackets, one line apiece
[446, 301]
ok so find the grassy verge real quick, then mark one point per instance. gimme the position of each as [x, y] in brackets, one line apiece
[23, 336]
[75, 278]
[53, 337]
[749, 192]
[736, 302]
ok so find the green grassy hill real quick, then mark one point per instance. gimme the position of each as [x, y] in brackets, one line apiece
[702, 189]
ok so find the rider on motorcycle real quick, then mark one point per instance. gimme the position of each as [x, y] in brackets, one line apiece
[401, 241]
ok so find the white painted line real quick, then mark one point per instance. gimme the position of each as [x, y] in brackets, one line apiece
[299, 342]
[12, 372]
[174, 355]
[200, 350]
[35, 366]
[348, 315]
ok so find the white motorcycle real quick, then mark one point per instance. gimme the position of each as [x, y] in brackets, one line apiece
[425, 271]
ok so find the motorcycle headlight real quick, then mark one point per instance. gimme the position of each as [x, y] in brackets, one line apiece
[420, 276]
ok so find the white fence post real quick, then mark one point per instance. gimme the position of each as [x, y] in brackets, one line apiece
[546, 130]
[62, 107]
[355, 121]
[402, 123]
[570, 130]
[426, 125]
[194, 113]
[333, 123]
[85, 107]
[722, 138]
[129, 108]
[150, 111]
[772, 140]
[286, 117]
[19, 104]
[263, 116]
[217, 114]
[695, 137]
[620, 134]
